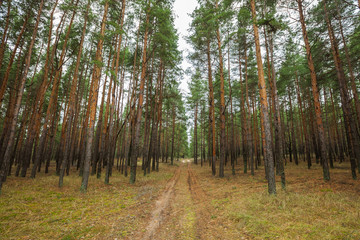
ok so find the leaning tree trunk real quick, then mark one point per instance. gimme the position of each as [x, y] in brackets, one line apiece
[350, 126]
[5, 36]
[319, 121]
[11, 60]
[9, 149]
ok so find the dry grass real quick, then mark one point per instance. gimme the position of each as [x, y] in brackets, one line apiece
[38, 209]
[238, 205]
[309, 208]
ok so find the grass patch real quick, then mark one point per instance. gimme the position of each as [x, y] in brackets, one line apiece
[310, 208]
[38, 209]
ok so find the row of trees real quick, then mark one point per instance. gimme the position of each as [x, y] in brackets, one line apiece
[277, 79]
[90, 84]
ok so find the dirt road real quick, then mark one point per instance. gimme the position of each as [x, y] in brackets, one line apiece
[184, 211]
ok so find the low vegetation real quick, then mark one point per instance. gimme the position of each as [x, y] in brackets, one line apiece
[39, 209]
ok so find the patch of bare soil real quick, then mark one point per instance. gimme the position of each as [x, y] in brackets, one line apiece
[161, 210]
[185, 210]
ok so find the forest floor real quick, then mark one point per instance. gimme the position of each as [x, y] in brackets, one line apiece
[184, 201]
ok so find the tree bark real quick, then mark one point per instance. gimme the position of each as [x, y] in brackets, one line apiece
[93, 102]
[264, 106]
[350, 126]
[195, 134]
[173, 135]
[315, 91]
[11, 60]
[222, 103]
[211, 111]
[4, 36]
[305, 131]
[6, 161]
[136, 145]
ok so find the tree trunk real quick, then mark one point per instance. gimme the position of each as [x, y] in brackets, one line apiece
[71, 107]
[264, 107]
[232, 138]
[136, 144]
[173, 135]
[222, 104]
[6, 161]
[292, 130]
[243, 117]
[211, 111]
[93, 102]
[350, 126]
[350, 68]
[315, 92]
[11, 60]
[5, 36]
[195, 134]
[305, 131]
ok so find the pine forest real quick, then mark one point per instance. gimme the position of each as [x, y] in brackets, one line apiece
[179, 119]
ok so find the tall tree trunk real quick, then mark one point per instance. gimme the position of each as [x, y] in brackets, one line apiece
[159, 120]
[331, 160]
[232, 138]
[275, 103]
[51, 110]
[111, 132]
[136, 145]
[292, 130]
[248, 123]
[211, 111]
[264, 107]
[222, 103]
[243, 117]
[195, 133]
[335, 122]
[353, 143]
[350, 68]
[71, 107]
[173, 136]
[93, 102]
[6, 161]
[5, 36]
[319, 121]
[305, 131]
[11, 60]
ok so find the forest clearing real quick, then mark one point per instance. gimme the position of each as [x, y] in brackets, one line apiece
[184, 202]
[179, 119]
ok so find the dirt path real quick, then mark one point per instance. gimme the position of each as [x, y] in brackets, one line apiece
[184, 210]
[161, 207]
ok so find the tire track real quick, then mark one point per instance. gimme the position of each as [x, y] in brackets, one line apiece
[161, 207]
[200, 199]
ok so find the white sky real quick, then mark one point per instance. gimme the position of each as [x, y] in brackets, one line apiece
[182, 22]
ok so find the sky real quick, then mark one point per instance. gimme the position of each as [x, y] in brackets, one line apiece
[182, 9]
